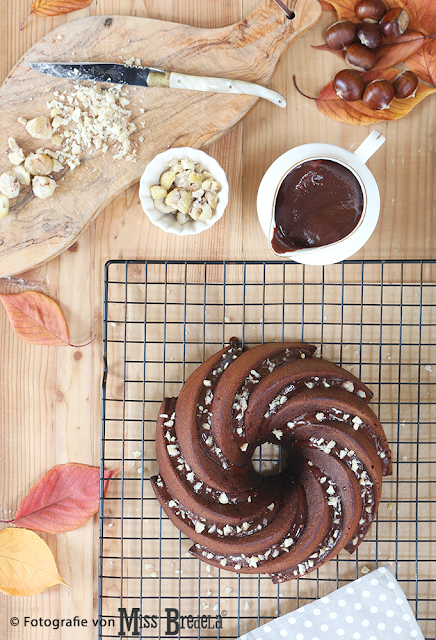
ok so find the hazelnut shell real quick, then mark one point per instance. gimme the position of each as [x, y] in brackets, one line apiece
[371, 10]
[349, 85]
[360, 57]
[405, 85]
[340, 35]
[370, 35]
[394, 23]
[378, 95]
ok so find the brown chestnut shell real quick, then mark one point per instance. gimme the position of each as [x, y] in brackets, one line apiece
[371, 10]
[349, 85]
[340, 35]
[378, 95]
[394, 23]
[405, 85]
[370, 35]
[360, 57]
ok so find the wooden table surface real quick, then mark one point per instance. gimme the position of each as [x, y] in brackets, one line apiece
[50, 397]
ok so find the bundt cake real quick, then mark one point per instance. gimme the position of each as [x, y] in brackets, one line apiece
[288, 524]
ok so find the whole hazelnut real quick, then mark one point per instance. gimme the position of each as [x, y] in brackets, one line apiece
[38, 164]
[370, 35]
[43, 187]
[371, 10]
[378, 95]
[405, 85]
[349, 85]
[340, 35]
[394, 23]
[9, 184]
[360, 57]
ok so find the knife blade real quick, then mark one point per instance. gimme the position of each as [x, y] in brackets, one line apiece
[152, 77]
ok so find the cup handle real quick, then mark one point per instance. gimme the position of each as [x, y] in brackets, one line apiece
[369, 146]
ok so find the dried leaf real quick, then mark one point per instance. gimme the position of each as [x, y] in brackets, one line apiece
[46, 8]
[64, 499]
[27, 566]
[423, 62]
[36, 318]
[422, 21]
[390, 53]
[356, 113]
[326, 6]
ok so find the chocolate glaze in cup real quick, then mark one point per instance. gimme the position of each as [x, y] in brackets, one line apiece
[319, 202]
[355, 163]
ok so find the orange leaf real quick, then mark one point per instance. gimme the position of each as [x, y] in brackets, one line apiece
[356, 113]
[46, 8]
[27, 565]
[36, 318]
[422, 20]
[64, 499]
[423, 62]
[391, 53]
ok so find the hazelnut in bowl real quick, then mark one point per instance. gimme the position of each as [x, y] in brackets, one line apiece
[183, 191]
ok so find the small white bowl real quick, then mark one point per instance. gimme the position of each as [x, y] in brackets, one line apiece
[167, 221]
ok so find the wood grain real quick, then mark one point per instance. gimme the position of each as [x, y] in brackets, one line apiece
[37, 230]
[50, 398]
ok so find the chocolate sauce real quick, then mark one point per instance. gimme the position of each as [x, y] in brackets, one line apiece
[318, 203]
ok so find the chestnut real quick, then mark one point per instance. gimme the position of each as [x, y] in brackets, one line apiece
[360, 57]
[378, 95]
[394, 23]
[405, 85]
[340, 34]
[349, 85]
[370, 35]
[371, 10]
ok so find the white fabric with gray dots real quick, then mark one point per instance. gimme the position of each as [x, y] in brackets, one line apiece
[373, 607]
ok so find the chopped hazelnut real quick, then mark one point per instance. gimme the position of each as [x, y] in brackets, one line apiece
[22, 174]
[4, 205]
[40, 127]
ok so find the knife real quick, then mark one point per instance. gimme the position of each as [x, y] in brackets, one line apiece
[151, 77]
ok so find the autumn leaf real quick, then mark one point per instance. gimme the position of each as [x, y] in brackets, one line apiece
[390, 53]
[422, 21]
[36, 318]
[47, 8]
[333, 106]
[27, 565]
[64, 499]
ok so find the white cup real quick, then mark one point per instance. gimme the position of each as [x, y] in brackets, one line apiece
[355, 162]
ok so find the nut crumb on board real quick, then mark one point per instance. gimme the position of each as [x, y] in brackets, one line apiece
[88, 117]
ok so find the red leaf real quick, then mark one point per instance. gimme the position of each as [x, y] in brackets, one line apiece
[356, 113]
[64, 499]
[326, 6]
[36, 318]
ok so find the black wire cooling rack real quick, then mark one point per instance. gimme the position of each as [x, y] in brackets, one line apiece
[161, 320]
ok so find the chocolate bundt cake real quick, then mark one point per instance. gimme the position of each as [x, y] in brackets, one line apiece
[286, 524]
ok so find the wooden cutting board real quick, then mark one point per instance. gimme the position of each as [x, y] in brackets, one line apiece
[37, 230]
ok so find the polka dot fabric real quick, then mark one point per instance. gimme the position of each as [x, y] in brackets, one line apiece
[373, 607]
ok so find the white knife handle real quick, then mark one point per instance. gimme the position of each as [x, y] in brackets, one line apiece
[223, 85]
